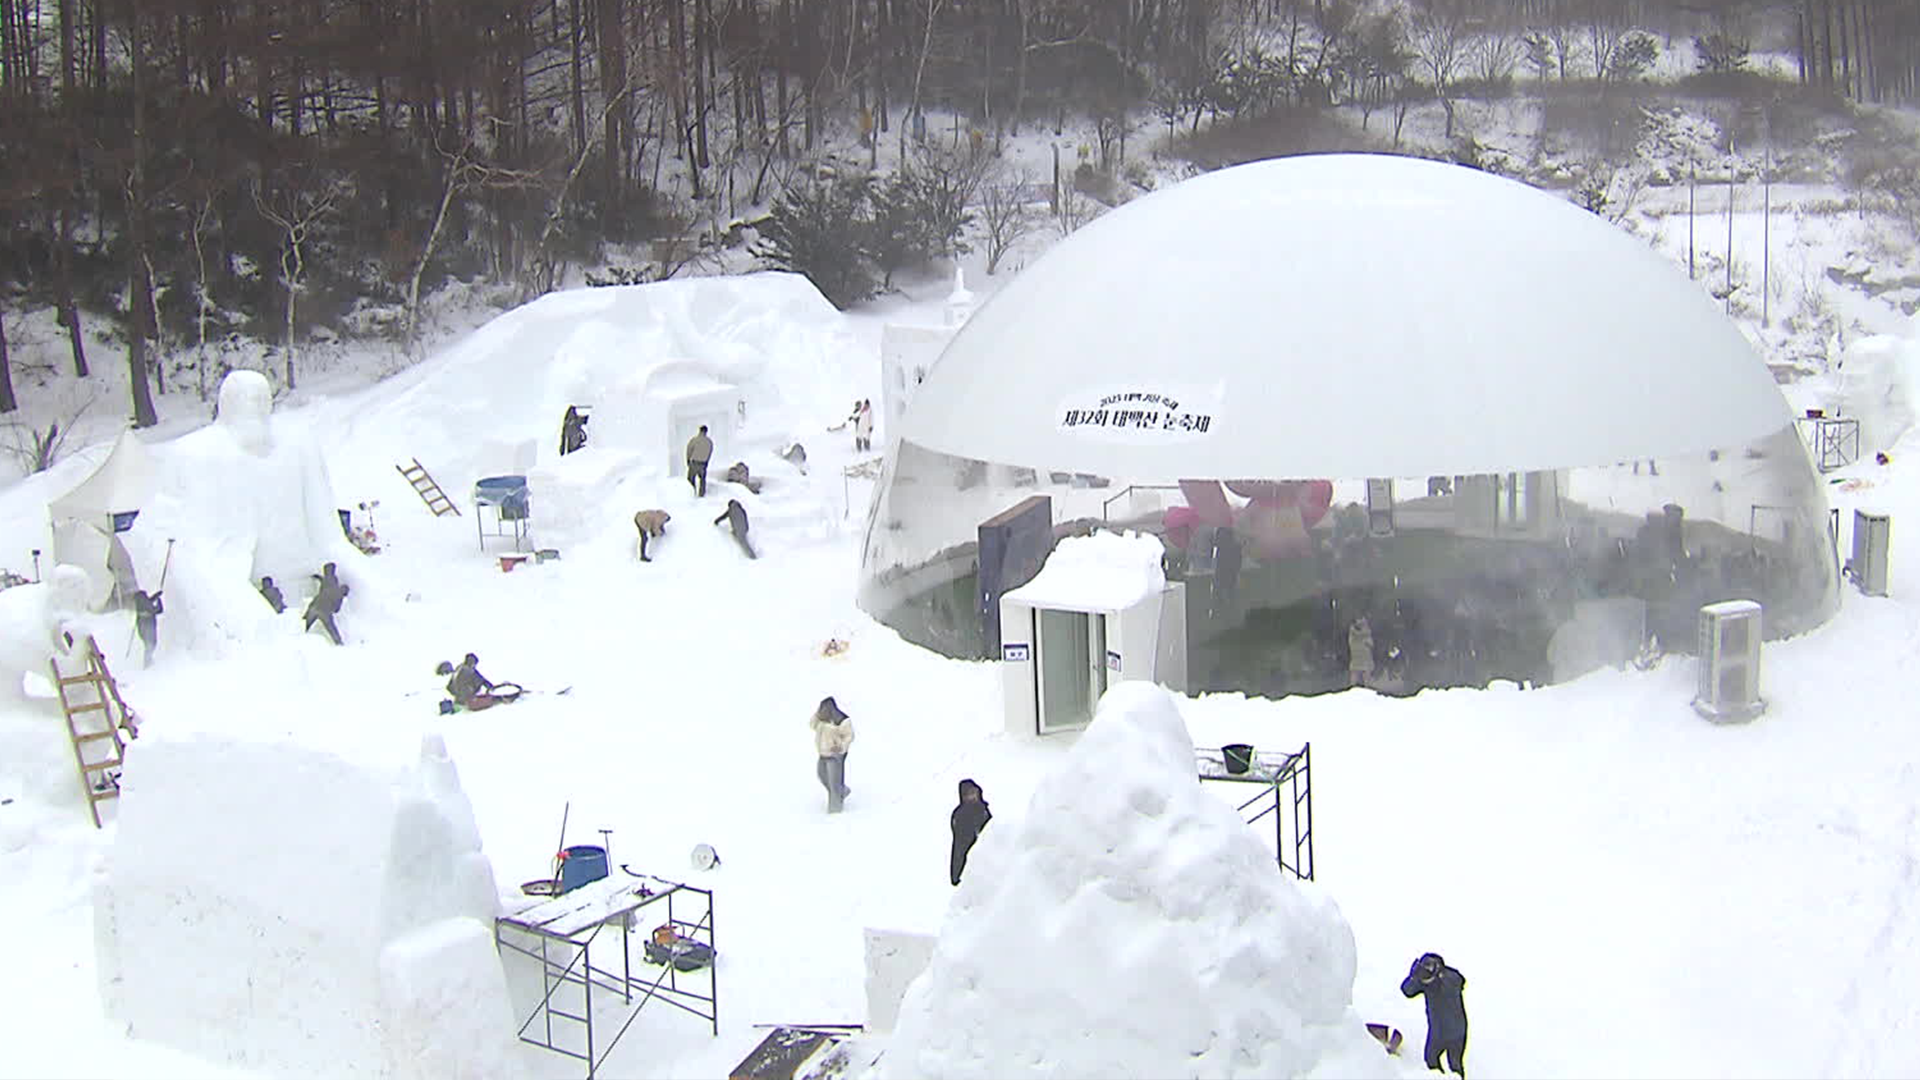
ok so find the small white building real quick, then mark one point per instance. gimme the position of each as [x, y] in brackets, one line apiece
[1100, 611]
[661, 407]
[909, 353]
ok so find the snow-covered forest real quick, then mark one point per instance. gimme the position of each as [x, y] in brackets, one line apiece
[199, 185]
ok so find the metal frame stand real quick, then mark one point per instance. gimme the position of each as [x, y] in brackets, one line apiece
[504, 527]
[568, 924]
[1833, 440]
[1286, 781]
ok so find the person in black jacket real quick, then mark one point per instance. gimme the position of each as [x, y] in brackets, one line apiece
[1446, 1010]
[573, 430]
[147, 609]
[326, 601]
[968, 819]
[272, 592]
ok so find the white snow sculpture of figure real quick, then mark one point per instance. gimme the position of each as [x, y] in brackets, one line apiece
[41, 622]
[246, 497]
[260, 478]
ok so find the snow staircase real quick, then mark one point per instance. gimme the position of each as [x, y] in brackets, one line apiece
[428, 490]
[97, 746]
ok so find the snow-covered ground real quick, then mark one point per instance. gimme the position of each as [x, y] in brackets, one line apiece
[1630, 890]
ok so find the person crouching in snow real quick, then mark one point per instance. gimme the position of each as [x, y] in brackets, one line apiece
[473, 691]
[967, 820]
[735, 516]
[1444, 988]
[832, 738]
[652, 524]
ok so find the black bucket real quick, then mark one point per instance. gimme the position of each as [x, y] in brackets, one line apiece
[1238, 757]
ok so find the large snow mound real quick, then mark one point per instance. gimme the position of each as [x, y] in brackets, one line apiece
[1132, 925]
[770, 335]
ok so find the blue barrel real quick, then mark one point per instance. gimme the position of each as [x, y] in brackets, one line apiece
[584, 863]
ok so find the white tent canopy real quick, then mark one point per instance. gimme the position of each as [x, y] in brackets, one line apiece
[1345, 315]
[83, 518]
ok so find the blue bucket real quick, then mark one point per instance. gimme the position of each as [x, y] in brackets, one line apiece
[584, 863]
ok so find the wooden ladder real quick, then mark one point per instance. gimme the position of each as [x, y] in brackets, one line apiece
[97, 747]
[429, 491]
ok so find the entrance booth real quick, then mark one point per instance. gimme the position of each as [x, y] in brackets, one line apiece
[1101, 610]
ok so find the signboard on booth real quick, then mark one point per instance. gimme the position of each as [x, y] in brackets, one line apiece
[1014, 653]
[1113, 660]
[1142, 415]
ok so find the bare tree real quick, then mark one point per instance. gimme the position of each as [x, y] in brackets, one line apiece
[544, 271]
[1073, 209]
[295, 212]
[1606, 24]
[1494, 54]
[1438, 35]
[7, 401]
[1004, 215]
[35, 451]
[202, 293]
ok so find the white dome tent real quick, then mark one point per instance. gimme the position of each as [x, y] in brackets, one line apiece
[1275, 298]
[1242, 353]
[87, 520]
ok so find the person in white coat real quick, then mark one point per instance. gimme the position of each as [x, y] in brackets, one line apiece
[862, 425]
[832, 738]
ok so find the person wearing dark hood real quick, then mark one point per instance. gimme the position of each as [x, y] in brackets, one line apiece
[1445, 990]
[735, 516]
[967, 820]
[326, 601]
[146, 621]
[832, 738]
[573, 431]
[272, 592]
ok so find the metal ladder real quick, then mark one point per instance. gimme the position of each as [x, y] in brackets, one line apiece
[99, 776]
[429, 491]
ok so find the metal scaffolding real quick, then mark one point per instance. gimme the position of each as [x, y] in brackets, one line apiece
[1286, 785]
[565, 928]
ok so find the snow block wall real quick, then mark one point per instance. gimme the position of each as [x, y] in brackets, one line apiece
[286, 909]
[1130, 904]
[894, 959]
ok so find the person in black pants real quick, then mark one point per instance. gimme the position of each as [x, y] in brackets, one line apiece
[326, 602]
[967, 820]
[147, 609]
[1444, 988]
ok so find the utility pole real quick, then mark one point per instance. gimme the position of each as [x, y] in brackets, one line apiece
[1733, 166]
[1766, 237]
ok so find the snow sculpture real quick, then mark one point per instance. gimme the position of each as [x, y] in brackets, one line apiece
[41, 622]
[247, 496]
[341, 926]
[959, 303]
[1872, 387]
[1131, 904]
